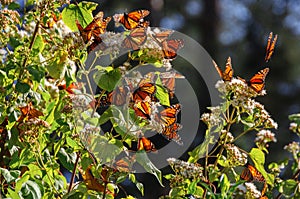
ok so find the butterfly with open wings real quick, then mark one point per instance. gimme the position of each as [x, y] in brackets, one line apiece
[227, 74]
[133, 19]
[257, 82]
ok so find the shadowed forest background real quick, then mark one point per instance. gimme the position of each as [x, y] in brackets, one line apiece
[238, 29]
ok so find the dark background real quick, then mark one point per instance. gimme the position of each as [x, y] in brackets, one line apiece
[238, 29]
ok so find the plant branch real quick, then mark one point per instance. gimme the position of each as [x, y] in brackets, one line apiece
[73, 172]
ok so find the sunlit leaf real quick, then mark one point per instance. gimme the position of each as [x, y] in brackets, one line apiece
[81, 12]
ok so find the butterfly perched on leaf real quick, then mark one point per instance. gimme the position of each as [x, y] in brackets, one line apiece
[270, 46]
[134, 19]
[70, 89]
[135, 39]
[227, 74]
[29, 112]
[257, 82]
[250, 173]
[170, 47]
[146, 145]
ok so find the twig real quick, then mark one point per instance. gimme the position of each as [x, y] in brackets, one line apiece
[74, 172]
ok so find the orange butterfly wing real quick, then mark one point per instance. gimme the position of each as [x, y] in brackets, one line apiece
[228, 72]
[162, 36]
[170, 47]
[170, 132]
[118, 96]
[135, 39]
[143, 108]
[257, 82]
[250, 173]
[270, 46]
[144, 90]
[145, 144]
[168, 116]
[29, 112]
[134, 19]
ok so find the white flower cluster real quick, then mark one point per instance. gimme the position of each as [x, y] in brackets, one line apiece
[213, 118]
[252, 191]
[185, 169]
[265, 136]
[293, 147]
[235, 156]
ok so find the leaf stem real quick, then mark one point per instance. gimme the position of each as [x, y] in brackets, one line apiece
[73, 172]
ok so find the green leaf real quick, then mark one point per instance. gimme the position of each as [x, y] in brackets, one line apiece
[143, 160]
[34, 171]
[162, 95]
[38, 44]
[224, 185]
[9, 176]
[22, 87]
[107, 80]
[67, 159]
[72, 143]
[81, 12]
[12, 194]
[30, 189]
[289, 187]
[258, 157]
[57, 67]
[36, 73]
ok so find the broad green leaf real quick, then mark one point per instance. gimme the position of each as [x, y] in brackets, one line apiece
[258, 157]
[9, 176]
[22, 87]
[107, 80]
[34, 171]
[36, 73]
[289, 187]
[30, 189]
[57, 66]
[72, 143]
[162, 95]
[13, 6]
[145, 162]
[81, 12]
[38, 43]
[67, 159]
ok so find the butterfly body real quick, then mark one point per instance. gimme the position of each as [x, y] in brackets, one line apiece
[257, 82]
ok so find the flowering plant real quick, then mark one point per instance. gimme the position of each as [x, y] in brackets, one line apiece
[59, 138]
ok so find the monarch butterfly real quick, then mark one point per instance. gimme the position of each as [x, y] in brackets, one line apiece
[162, 36]
[257, 82]
[144, 90]
[95, 28]
[170, 132]
[250, 173]
[270, 46]
[170, 47]
[134, 19]
[168, 116]
[143, 108]
[228, 72]
[135, 39]
[29, 112]
[145, 144]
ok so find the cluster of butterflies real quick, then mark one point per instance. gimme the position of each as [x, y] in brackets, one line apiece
[250, 174]
[142, 98]
[257, 82]
[133, 21]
